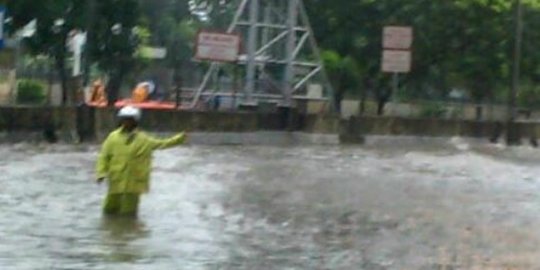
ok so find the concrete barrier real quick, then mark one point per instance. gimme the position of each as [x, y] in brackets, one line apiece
[355, 129]
[55, 123]
[87, 124]
[73, 124]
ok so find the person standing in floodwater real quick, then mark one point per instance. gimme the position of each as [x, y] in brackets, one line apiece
[125, 162]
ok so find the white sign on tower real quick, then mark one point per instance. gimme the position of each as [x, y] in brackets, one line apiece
[219, 47]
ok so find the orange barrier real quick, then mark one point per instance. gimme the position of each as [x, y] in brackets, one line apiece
[147, 104]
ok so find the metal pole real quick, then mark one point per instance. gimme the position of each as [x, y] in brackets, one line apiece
[14, 89]
[288, 77]
[267, 20]
[178, 89]
[18, 41]
[252, 49]
[510, 132]
[317, 52]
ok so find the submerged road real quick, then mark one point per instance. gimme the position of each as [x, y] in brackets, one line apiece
[384, 206]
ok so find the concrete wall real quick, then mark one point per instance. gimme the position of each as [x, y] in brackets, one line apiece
[7, 83]
[167, 121]
[54, 123]
[88, 124]
[355, 129]
[453, 110]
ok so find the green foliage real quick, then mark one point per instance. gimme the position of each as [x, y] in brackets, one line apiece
[473, 52]
[432, 110]
[113, 51]
[219, 12]
[30, 92]
[343, 71]
[458, 43]
[529, 95]
[172, 26]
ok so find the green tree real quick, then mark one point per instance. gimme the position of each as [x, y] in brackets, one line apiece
[472, 51]
[174, 27]
[343, 72]
[117, 37]
[216, 13]
[56, 18]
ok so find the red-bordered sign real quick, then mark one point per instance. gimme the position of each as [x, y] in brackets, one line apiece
[216, 46]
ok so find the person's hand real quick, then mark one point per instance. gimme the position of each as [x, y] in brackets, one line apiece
[100, 180]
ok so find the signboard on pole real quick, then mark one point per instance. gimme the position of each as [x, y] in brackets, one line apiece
[397, 37]
[394, 61]
[397, 56]
[220, 47]
[2, 19]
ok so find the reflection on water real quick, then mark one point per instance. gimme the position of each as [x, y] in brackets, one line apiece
[387, 205]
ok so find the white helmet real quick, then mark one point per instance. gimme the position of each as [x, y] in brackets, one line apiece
[130, 112]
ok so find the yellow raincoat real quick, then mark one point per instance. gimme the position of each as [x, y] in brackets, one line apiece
[127, 164]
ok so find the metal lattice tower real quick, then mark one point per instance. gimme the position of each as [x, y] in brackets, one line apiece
[281, 59]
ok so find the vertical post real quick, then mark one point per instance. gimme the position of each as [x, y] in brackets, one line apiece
[292, 19]
[178, 89]
[267, 20]
[18, 44]
[252, 49]
[511, 133]
[77, 54]
[236, 86]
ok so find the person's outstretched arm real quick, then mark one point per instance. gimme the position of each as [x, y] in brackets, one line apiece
[154, 143]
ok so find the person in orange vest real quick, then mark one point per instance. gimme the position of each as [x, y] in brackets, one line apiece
[142, 92]
[98, 94]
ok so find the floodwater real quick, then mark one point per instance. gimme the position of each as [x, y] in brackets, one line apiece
[388, 205]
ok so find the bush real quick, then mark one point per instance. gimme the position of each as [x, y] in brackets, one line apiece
[529, 96]
[432, 110]
[30, 92]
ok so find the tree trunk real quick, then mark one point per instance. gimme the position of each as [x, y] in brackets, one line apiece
[381, 102]
[380, 106]
[479, 112]
[61, 68]
[114, 85]
[338, 97]
[178, 86]
[362, 104]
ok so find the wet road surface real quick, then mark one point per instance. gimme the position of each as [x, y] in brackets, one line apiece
[416, 206]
